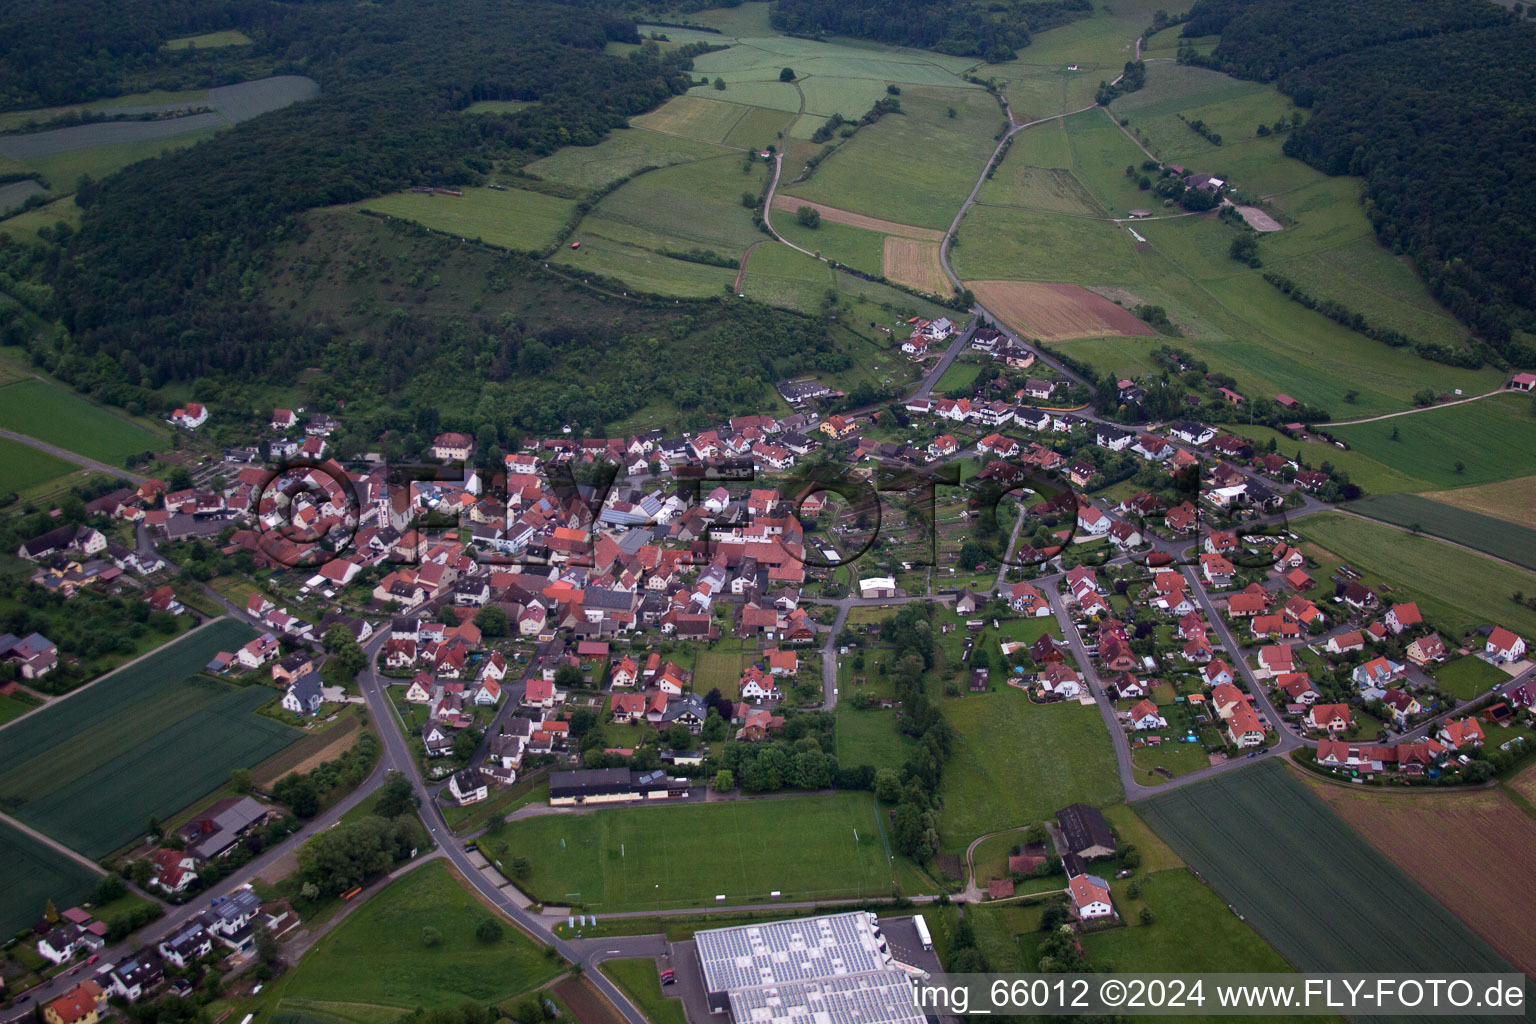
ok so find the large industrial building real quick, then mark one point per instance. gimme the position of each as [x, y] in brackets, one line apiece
[816, 970]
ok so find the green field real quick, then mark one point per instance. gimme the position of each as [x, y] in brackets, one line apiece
[64, 170]
[621, 154]
[870, 737]
[17, 120]
[1455, 589]
[376, 957]
[1493, 438]
[1361, 469]
[13, 707]
[854, 247]
[1468, 677]
[22, 466]
[780, 276]
[77, 769]
[879, 173]
[1509, 541]
[642, 858]
[24, 226]
[33, 875]
[1318, 891]
[638, 980]
[61, 417]
[514, 218]
[209, 40]
[1015, 763]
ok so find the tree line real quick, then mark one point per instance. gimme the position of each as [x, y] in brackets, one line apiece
[963, 28]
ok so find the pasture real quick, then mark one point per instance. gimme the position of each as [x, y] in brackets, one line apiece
[915, 264]
[851, 246]
[1456, 589]
[622, 153]
[695, 117]
[513, 218]
[682, 855]
[791, 205]
[76, 769]
[23, 227]
[376, 957]
[1016, 762]
[58, 416]
[1513, 501]
[1056, 312]
[33, 875]
[1248, 830]
[780, 276]
[1509, 541]
[1492, 438]
[23, 467]
[1468, 850]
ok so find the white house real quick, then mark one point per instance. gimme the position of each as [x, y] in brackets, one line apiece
[467, 786]
[1090, 897]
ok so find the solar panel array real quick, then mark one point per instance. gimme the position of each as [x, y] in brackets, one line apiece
[821, 970]
[883, 998]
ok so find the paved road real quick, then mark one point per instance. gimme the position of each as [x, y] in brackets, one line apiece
[69, 456]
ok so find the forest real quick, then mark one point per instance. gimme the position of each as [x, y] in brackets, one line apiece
[1430, 102]
[963, 28]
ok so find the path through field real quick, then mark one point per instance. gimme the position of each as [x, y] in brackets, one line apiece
[1410, 412]
[741, 270]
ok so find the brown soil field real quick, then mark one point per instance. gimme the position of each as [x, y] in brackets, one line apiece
[1525, 783]
[308, 753]
[1474, 852]
[1511, 500]
[915, 264]
[587, 1004]
[789, 204]
[1057, 312]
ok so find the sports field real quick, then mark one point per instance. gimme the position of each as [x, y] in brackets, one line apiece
[376, 957]
[33, 875]
[915, 264]
[1056, 312]
[1309, 884]
[1015, 763]
[22, 466]
[1506, 540]
[76, 770]
[59, 416]
[513, 218]
[1456, 589]
[1511, 500]
[1469, 850]
[641, 858]
[1492, 438]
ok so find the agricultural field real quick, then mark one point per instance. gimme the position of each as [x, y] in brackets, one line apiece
[23, 467]
[512, 218]
[1511, 500]
[209, 40]
[63, 170]
[1247, 831]
[75, 769]
[1506, 540]
[696, 117]
[1117, 357]
[1056, 312]
[376, 957]
[1492, 439]
[621, 154]
[1047, 189]
[1038, 84]
[641, 858]
[58, 416]
[851, 246]
[780, 276]
[1468, 850]
[1454, 588]
[35, 874]
[23, 227]
[915, 264]
[159, 101]
[791, 205]
[1016, 762]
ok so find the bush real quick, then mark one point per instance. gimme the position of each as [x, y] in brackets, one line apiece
[431, 937]
[808, 217]
[488, 931]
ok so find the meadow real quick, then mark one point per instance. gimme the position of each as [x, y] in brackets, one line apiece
[870, 737]
[622, 153]
[33, 875]
[1015, 763]
[1454, 588]
[376, 957]
[640, 858]
[58, 416]
[18, 192]
[75, 770]
[209, 40]
[23, 227]
[1513, 501]
[512, 218]
[1362, 469]
[22, 466]
[1249, 831]
[1492, 439]
[134, 102]
[851, 246]
[1509, 541]
[780, 276]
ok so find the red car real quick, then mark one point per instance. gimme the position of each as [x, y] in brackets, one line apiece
[92, 959]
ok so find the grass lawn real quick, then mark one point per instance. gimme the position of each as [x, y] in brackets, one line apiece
[1468, 677]
[23, 467]
[1015, 763]
[513, 218]
[376, 957]
[61, 417]
[1493, 439]
[1509, 541]
[639, 980]
[13, 707]
[1456, 590]
[639, 858]
[960, 376]
[34, 874]
[76, 769]
[1133, 831]
[870, 737]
